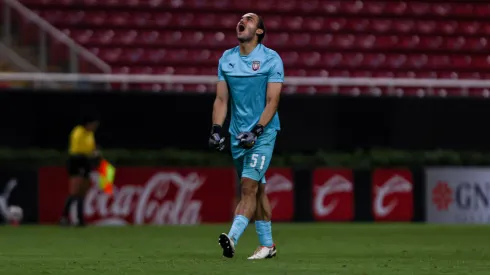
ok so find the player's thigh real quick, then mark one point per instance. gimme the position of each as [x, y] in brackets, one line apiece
[238, 158]
[257, 160]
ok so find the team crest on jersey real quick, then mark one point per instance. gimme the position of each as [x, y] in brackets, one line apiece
[255, 65]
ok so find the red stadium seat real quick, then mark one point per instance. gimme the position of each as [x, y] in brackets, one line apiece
[300, 40]
[477, 44]
[401, 26]
[366, 42]
[455, 43]
[409, 42]
[470, 27]
[323, 40]
[314, 38]
[397, 8]
[426, 26]
[121, 70]
[387, 42]
[310, 23]
[111, 55]
[208, 70]
[310, 58]
[141, 70]
[441, 9]
[431, 42]
[164, 70]
[156, 56]
[463, 9]
[418, 8]
[448, 27]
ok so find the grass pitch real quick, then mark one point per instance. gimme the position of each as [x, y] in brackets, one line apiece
[377, 249]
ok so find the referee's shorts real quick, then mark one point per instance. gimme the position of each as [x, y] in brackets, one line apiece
[79, 165]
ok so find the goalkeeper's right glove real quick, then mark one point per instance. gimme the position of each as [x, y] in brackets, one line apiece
[215, 140]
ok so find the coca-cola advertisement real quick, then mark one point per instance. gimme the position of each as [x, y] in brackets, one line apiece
[392, 195]
[333, 194]
[280, 191]
[145, 196]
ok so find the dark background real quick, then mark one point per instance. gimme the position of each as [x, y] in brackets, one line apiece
[159, 120]
[139, 120]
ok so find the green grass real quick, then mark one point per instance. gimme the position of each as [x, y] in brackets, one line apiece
[375, 249]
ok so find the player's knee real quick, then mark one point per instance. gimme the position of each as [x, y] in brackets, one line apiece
[249, 187]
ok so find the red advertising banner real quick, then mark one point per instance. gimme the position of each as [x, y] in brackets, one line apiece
[280, 191]
[333, 197]
[392, 195]
[146, 196]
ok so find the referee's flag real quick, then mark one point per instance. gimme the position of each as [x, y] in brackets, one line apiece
[107, 173]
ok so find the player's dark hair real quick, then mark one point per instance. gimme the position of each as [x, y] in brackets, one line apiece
[261, 26]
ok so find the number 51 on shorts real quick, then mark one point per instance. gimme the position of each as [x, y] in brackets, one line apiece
[257, 158]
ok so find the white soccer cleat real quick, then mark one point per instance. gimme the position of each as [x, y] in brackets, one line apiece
[264, 252]
[227, 244]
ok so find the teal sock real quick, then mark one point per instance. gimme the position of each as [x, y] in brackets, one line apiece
[238, 227]
[264, 231]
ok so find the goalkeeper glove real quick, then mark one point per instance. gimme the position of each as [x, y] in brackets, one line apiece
[248, 139]
[215, 140]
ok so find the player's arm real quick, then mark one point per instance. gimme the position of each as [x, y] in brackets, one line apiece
[272, 102]
[220, 106]
[274, 87]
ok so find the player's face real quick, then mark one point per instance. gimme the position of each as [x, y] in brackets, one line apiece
[246, 28]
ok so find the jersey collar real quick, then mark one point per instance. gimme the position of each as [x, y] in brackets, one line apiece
[251, 54]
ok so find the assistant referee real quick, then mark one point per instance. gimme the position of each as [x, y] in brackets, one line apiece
[83, 156]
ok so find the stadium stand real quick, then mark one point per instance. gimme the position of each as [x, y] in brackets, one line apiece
[440, 39]
[6, 68]
[4, 84]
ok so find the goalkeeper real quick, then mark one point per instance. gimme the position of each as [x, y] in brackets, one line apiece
[250, 76]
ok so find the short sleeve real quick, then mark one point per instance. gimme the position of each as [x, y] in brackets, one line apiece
[76, 134]
[221, 76]
[276, 72]
[75, 138]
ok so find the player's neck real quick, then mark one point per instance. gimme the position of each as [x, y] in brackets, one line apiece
[247, 47]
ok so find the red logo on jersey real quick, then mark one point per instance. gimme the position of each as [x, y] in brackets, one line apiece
[392, 193]
[255, 65]
[333, 198]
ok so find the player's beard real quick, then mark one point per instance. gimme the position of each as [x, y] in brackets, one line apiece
[246, 38]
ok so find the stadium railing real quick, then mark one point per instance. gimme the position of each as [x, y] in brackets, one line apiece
[44, 31]
[21, 64]
[357, 85]
[17, 61]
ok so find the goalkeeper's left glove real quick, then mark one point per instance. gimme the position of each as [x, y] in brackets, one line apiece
[248, 139]
[215, 140]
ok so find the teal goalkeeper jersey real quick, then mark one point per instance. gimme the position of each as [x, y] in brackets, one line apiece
[247, 78]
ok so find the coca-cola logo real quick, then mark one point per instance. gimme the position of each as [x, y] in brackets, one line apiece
[275, 184]
[395, 184]
[335, 184]
[149, 203]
